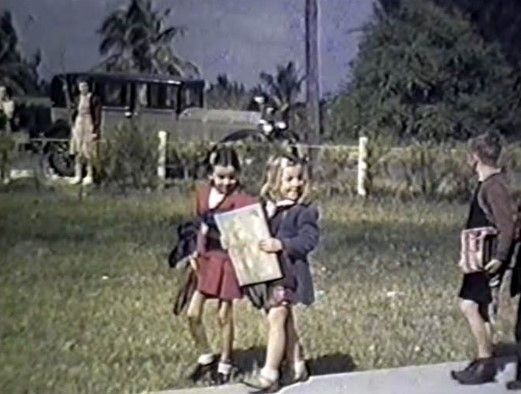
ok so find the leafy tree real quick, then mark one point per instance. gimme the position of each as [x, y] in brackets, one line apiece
[136, 38]
[425, 73]
[497, 21]
[16, 72]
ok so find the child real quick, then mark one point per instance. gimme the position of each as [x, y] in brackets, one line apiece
[491, 205]
[293, 224]
[216, 278]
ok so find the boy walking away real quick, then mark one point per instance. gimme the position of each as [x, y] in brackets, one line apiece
[491, 206]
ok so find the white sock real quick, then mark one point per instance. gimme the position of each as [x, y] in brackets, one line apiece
[270, 373]
[224, 368]
[205, 359]
[299, 367]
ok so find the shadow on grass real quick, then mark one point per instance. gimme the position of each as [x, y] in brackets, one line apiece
[252, 359]
[505, 353]
[506, 349]
[249, 360]
[331, 363]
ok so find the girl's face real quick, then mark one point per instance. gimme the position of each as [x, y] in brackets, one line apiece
[83, 87]
[292, 182]
[224, 178]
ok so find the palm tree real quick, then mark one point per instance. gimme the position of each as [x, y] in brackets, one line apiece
[226, 94]
[17, 73]
[282, 88]
[135, 38]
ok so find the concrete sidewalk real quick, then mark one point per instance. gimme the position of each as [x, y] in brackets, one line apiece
[425, 379]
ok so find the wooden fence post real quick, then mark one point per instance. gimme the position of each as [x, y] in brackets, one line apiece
[362, 166]
[161, 161]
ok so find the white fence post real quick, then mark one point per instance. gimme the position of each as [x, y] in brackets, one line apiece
[161, 162]
[362, 166]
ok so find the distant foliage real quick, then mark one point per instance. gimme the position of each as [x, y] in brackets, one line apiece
[282, 88]
[128, 158]
[16, 72]
[424, 73]
[7, 152]
[226, 94]
[136, 38]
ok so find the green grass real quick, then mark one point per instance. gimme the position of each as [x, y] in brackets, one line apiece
[85, 292]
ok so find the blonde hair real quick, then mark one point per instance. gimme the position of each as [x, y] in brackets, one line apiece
[273, 177]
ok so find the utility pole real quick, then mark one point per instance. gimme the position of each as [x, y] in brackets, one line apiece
[312, 72]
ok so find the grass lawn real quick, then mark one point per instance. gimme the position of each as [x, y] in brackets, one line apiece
[85, 292]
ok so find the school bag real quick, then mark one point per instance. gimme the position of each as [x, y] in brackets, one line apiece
[179, 258]
[186, 244]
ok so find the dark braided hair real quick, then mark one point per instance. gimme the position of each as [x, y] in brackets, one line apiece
[222, 156]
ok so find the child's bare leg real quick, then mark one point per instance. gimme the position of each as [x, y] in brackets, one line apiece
[276, 342]
[227, 331]
[197, 330]
[294, 351]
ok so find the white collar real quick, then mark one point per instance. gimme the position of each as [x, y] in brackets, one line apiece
[215, 198]
[271, 207]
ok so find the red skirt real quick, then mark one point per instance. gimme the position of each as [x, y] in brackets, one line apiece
[216, 276]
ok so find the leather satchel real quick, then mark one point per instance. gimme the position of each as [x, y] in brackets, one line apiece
[186, 292]
[477, 246]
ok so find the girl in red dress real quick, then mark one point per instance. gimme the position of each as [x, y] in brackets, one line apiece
[216, 277]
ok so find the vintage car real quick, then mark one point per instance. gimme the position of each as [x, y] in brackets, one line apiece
[155, 101]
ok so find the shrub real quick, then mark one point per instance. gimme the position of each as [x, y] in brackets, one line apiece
[128, 157]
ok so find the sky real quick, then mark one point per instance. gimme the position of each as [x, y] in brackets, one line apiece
[240, 38]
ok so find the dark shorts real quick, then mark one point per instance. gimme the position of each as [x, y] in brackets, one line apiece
[476, 287]
[269, 295]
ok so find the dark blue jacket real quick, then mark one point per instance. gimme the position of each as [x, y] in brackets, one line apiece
[299, 233]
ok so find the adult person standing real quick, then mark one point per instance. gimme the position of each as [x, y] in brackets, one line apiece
[491, 205]
[86, 131]
[7, 108]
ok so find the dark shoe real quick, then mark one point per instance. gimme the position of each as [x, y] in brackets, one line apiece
[514, 385]
[484, 372]
[220, 379]
[261, 384]
[203, 371]
[465, 373]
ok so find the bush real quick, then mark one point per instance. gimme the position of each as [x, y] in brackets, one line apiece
[128, 157]
[7, 152]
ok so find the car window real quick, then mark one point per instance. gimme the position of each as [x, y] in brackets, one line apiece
[114, 94]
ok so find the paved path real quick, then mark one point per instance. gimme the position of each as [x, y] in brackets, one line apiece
[425, 379]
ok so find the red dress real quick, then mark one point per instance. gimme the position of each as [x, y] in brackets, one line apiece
[216, 274]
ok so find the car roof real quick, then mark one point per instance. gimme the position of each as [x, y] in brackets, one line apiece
[153, 78]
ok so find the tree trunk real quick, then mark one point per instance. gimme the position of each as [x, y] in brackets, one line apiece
[312, 74]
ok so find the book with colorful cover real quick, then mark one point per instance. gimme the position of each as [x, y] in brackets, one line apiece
[243, 229]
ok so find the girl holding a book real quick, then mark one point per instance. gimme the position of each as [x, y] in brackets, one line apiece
[293, 224]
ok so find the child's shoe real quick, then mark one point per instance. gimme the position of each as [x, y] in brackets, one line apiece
[264, 381]
[224, 372]
[205, 367]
